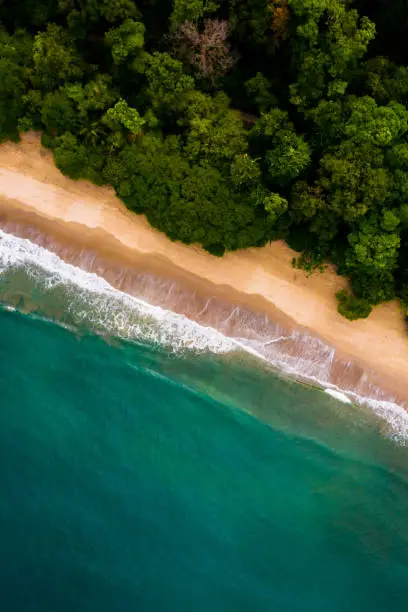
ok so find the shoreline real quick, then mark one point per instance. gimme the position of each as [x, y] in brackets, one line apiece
[84, 218]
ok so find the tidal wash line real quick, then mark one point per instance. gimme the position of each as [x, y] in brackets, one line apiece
[153, 310]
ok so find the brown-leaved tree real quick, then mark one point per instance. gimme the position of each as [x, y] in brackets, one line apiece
[208, 51]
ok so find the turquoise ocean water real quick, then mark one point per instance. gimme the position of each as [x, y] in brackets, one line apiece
[166, 472]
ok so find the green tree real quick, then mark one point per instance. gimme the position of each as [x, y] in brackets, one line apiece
[15, 64]
[167, 84]
[307, 201]
[352, 307]
[127, 42]
[93, 10]
[94, 97]
[124, 115]
[286, 154]
[190, 10]
[390, 220]
[324, 163]
[251, 20]
[32, 103]
[189, 202]
[374, 288]
[12, 87]
[71, 156]
[245, 171]
[93, 133]
[331, 39]
[259, 92]
[372, 249]
[353, 179]
[275, 206]
[385, 81]
[215, 133]
[58, 113]
[377, 125]
[56, 59]
[328, 118]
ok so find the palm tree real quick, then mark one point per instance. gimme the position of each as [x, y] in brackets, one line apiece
[93, 133]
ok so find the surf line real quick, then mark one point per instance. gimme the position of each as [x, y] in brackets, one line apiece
[175, 331]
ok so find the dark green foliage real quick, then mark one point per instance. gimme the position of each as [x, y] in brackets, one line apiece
[351, 307]
[309, 262]
[15, 64]
[190, 202]
[284, 119]
[58, 113]
[70, 156]
[12, 88]
[353, 179]
[286, 155]
[56, 59]
[124, 116]
[375, 288]
[385, 81]
[167, 84]
[331, 39]
[250, 20]
[307, 201]
[126, 42]
[245, 171]
[404, 298]
[215, 133]
[372, 250]
[94, 10]
[259, 92]
[191, 10]
[275, 206]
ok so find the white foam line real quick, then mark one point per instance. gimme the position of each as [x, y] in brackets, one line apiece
[388, 410]
[172, 328]
[113, 309]
[339, 396]
[278, 339]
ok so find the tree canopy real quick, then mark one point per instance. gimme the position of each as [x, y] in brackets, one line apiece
[229, 123]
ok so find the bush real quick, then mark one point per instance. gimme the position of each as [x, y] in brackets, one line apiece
[373, 288]
[351, 307]
[217, 250]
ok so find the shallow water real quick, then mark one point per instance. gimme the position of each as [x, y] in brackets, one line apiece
[73, 284]
[142, 474]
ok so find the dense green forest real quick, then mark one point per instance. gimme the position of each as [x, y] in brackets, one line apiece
[229, 122]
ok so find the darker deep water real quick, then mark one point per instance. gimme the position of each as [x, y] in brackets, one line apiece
[132, 479]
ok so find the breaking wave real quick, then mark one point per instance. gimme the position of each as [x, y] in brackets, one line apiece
[132, 310]
[91, 301]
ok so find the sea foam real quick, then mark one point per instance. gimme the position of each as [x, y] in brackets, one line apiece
[338, 395]
[92, 302]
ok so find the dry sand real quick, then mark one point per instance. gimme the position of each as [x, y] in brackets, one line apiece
[30, 183]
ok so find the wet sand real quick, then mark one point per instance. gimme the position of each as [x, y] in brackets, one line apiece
[91, 223]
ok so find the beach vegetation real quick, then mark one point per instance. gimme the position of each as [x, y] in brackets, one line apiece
[229, 124]
[352, 307]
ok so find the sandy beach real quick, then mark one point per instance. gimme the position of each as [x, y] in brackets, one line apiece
[34, 192]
